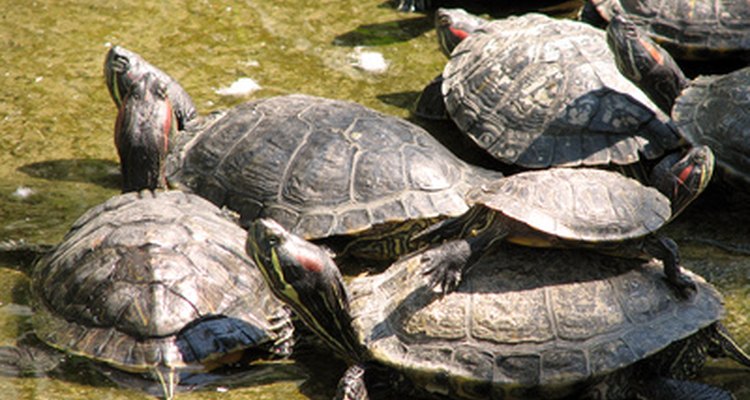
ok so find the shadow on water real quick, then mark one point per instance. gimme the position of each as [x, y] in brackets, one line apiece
[385, 33]
[402, 30]
[105, 173]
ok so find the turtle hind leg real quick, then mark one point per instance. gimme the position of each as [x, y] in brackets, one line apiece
[666, 250]
[665, 388]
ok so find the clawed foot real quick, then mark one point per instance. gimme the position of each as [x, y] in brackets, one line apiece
[445, 265]
[683, 285]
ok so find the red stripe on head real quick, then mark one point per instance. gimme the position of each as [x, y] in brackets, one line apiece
[461, 34]
[685, 174]
[168, 125]
[652, 51]
[309, 261]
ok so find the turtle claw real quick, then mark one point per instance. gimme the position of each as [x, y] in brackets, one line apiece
[683, 285]
[445, 265]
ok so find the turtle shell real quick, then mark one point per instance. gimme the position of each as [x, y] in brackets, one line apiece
[580, 204]
[321, 167]
[689, 29]
[537, 92]
[715, 111]
[525, 323]
[155, 280]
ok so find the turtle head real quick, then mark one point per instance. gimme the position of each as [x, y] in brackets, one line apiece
[645, 63]
[453, 25]
[307, 279]
[124, 68]
[145, 124]
[683, 178]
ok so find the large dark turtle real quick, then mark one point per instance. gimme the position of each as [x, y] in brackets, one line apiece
[158, 284]
[709, 110]
[536, 92]
[323, 168]
[557, 102]
[688, 29]
[524, 324]
[559, 207]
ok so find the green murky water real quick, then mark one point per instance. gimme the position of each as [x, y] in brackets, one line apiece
[56, 123]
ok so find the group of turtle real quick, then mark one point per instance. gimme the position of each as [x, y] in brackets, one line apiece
[266, 198]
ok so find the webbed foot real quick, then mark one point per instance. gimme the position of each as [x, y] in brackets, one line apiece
[445, 264]
[668, 252]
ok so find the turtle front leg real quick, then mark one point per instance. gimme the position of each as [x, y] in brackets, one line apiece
[446, 264]
[666, 250]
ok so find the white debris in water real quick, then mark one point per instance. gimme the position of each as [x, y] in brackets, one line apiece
[222, 389]
[23, 192]
[38, 79]
[240, 87]
[367, 60]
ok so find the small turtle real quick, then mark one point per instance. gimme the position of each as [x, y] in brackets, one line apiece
[536, 92]
[589, 325]
[123, 67]
[710, 110]
[326, 169]
[688, 29]
[157, 284]
[559, 207]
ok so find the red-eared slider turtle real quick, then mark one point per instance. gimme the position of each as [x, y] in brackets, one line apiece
[158, 284]
[123, 67]
[559, 207]
[568, 104]
[710, 110]
[588, 325]
[323, 168]
[688, 29]
[536, 92]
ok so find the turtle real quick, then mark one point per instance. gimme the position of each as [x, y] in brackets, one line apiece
[123, 67]
[327, 169]
[537, 92]
[557, 207]
[709, 110]
[591, 325]
[158, 284]
[688, 29]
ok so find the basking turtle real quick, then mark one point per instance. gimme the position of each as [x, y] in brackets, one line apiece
[710, 110]
[157, 284]
[559, 207]
[588, 325]
[556, 102]
[536, 92]
[326, 169]
[688, 29]
[123, 67]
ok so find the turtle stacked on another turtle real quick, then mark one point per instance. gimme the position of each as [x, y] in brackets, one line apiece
[155, 283]
[688, 29]
[710, 110]
[326, 169]
[537, 92]
[591, 325]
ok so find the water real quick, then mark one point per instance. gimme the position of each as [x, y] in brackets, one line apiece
[58, 157]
